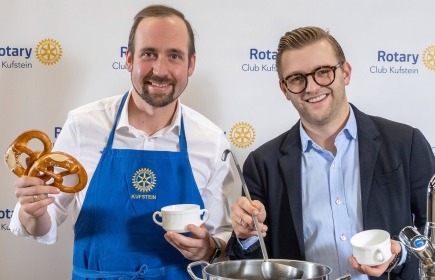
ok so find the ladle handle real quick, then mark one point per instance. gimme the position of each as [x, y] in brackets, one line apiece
[245, 189]
[260, 237]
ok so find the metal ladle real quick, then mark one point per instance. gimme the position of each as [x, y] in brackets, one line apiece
[269, 270]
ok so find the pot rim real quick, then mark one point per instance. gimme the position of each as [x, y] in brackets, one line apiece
[207, 266]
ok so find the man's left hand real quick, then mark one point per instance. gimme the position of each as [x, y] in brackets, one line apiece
[378, 270]
[197, 247]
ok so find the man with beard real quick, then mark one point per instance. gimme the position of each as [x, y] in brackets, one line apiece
[142, 151]
[335, 173]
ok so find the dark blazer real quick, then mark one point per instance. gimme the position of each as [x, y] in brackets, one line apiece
[396, 164]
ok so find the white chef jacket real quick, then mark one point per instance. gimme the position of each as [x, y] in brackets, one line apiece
[85, 133]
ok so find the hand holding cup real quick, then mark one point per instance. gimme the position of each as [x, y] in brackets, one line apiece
[371, 247]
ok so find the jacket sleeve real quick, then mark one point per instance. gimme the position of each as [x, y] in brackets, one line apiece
[422, 168]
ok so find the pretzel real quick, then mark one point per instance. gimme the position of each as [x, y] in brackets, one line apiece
[19, 146]
[67, 165]
[42, 164]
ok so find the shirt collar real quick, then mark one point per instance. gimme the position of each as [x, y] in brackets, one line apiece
[124, 125]
[350, 130]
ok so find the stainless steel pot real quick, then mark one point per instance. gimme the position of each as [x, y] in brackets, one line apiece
[251, 270]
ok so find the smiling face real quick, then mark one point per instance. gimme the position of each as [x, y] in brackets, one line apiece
[160, 65]
[317, 105]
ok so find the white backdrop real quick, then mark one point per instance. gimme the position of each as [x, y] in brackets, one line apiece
[225, 87]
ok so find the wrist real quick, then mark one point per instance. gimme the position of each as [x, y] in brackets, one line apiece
[211, 249]
[216, 249]
[394, 262]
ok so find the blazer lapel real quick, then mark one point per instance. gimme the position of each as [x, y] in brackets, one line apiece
[290, 164]
[368, 150]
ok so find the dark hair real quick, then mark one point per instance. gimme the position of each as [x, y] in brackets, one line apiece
[160, 11]
[302, 37]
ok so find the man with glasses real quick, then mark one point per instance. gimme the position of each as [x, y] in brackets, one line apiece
[335, 173]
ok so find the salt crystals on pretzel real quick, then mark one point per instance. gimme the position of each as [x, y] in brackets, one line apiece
[44, 164]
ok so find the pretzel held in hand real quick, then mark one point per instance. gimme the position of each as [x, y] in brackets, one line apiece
[42, 164]
[66, 165]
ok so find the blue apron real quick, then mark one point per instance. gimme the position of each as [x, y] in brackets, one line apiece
[115, 235]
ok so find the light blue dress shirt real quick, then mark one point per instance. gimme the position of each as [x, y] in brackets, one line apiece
[331, 201]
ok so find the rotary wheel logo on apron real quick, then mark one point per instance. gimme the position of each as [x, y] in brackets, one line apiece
[144, 180]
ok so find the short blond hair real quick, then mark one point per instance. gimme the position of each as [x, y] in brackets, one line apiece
[302, 37]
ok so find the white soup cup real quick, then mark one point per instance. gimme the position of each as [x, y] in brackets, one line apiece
[177, 217]
[371, 247]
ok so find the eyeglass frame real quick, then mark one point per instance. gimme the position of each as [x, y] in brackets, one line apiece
[305, 76]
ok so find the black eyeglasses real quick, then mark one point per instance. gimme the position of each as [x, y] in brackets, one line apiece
[323, 76]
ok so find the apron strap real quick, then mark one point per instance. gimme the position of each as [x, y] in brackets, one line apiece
[182, 138]
[142, 273]
[112, 133]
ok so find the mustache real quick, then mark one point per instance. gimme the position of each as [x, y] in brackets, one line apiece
[159, 80]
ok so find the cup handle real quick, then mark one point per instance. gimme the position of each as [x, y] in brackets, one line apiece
[379, 256]
[155, 220]
[206, 215]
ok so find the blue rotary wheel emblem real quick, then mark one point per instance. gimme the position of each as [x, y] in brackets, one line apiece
[144, 180]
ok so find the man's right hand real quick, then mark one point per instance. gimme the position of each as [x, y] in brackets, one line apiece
[32, 194]
[241, 217]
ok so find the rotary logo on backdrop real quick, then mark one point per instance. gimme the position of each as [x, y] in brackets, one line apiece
[48, 51]
[242, 135]
[429, 57]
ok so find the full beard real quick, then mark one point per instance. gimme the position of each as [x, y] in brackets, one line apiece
[157, 99]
